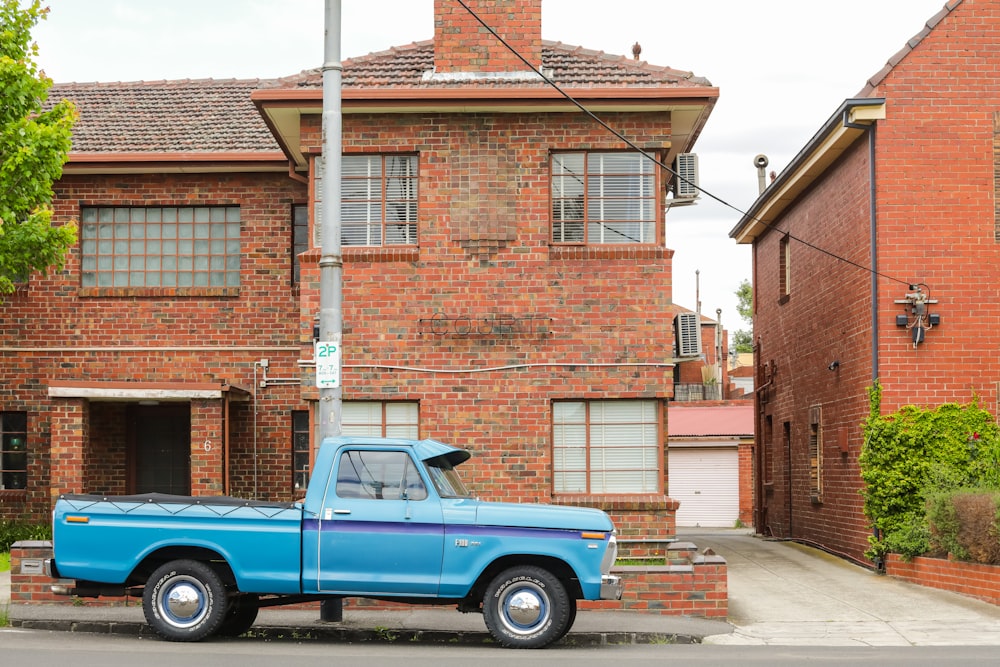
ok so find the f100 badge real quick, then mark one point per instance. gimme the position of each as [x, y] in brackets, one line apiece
[462, 542]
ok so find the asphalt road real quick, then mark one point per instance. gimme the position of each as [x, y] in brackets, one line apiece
[40, 648]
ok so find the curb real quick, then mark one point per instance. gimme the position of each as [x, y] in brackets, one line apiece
[353, 635]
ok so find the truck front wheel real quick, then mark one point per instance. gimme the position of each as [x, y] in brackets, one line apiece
[527, 607]
[184, 601]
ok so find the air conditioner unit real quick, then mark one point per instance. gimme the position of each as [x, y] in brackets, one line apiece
[686, 180]
[687, 332]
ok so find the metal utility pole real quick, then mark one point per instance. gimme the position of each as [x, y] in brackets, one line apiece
[331, 263]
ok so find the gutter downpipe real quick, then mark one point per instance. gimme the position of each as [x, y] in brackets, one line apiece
[873, 241]
[873, 235]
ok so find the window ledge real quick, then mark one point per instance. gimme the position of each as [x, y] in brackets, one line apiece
[392, 253]
[154, 292]
[13, 494]
[619, 501]
[619, 252]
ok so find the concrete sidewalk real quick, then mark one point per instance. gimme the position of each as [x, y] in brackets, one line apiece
[787, 594]
[433, 624]
[780, 593]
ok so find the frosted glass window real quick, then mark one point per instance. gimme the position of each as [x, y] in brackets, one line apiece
[122, 247]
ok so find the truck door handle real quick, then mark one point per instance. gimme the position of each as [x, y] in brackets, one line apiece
[341, 511]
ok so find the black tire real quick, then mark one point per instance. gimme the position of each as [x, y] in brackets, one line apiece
[527, 607]
[240, 615]
[184, 601]
[571, 621]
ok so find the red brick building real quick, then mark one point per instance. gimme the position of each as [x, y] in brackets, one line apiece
[876, 257]
[507, 280]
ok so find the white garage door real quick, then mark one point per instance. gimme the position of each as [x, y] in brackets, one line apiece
[706, 481]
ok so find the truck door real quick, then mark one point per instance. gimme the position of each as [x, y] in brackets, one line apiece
[380, 530]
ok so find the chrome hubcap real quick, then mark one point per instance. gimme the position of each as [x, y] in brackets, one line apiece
[524, 608]
[184, 601]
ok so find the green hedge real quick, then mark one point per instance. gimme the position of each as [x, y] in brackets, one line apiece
[12, 531]
[914, 455]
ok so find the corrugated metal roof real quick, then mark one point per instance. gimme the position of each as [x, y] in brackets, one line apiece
[684, 421]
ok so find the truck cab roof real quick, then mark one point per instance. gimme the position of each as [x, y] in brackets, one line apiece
[422, 449]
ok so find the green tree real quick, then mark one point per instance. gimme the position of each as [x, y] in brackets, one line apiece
[743, 338]
[34, 143]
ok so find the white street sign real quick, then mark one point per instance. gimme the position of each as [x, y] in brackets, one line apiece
[327, 365]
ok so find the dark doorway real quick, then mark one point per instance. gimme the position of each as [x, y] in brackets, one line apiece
[160, 448]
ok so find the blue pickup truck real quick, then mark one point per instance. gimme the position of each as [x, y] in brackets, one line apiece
[382, 518]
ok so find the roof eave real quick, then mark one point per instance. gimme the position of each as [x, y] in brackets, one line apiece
[841, 130]
[282, 108]
[179, 162]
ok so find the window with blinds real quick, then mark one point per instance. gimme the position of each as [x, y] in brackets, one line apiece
[390, 419]
[603, 198]
[606, 447]
[815, 454]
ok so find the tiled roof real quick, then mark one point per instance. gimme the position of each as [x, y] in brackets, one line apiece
[185, 116]
[710, 420]
[570, 66]
[211, 116]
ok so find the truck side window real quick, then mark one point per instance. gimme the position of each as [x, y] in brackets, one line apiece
[379, 475]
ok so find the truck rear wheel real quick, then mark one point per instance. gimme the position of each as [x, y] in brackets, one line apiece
[240, 615]
[527, 607]
[184, 601]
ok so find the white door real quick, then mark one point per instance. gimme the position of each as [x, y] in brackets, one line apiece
[706, 482]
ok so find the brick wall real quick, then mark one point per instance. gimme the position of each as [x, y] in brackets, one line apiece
[694, 585]
[819, 313]
[589, 323]
[934, 226]
[972, 579]
[462, 45]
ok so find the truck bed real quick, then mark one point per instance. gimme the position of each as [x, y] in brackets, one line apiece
[260, 540]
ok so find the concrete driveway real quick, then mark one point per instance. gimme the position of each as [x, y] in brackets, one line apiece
[783, 593]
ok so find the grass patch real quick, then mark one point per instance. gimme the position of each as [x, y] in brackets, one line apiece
[653, 560]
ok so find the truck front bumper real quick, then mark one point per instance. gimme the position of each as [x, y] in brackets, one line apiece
[611, 587]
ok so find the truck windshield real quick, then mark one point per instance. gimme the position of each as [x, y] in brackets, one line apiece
[445, 478]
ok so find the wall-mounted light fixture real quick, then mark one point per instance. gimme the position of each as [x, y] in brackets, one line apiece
[917, 317]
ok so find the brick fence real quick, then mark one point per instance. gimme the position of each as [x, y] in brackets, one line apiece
[691, 584]
[972, 579]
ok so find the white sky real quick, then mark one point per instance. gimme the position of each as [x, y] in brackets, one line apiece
[782, 67]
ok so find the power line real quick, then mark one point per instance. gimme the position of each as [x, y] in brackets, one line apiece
[645, 154]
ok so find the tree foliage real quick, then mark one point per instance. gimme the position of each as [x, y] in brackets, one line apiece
[34, 143]
[743, 338]
[915, 453]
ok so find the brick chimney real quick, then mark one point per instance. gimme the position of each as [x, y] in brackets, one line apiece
[462, 44]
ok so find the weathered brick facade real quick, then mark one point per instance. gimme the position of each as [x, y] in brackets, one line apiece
[932, 223]
[484, 322]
